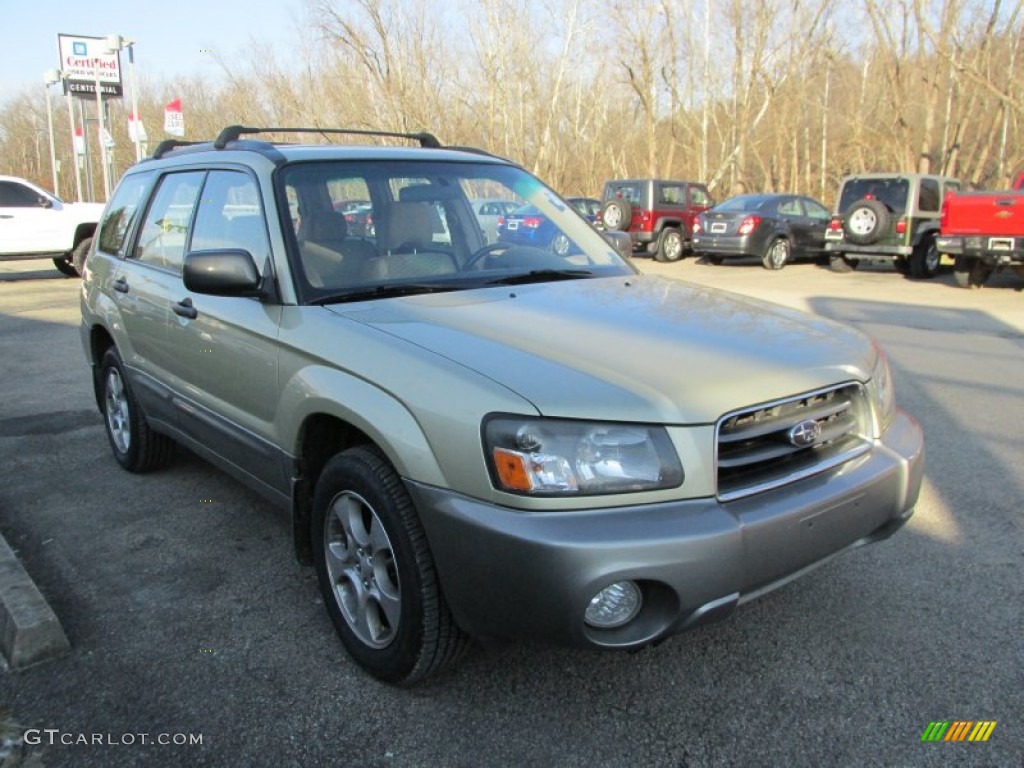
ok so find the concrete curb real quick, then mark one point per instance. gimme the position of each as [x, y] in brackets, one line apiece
[29, 629]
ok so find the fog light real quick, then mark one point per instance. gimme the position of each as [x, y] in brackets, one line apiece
[614, 605]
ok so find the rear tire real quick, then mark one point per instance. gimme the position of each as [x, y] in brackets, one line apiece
[670, 245]
[560, 245]
[925, 260]
[842, 264]
[136, 447]
[777, 254]
[376, 573]
[971, 272]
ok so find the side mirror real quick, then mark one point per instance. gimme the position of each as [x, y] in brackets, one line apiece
[227, 272]
[621, 242]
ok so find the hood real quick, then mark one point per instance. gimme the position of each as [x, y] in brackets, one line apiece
[87, 211]
[636, 348]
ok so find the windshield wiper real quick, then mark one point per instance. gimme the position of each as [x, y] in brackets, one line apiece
[541, 276]
[385, 292]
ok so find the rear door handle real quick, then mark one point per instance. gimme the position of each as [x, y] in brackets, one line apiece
[184, 308]
[121, 285]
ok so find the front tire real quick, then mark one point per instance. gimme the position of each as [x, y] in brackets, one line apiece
[376, 572]
[777, 254]
[670, 245]
[63, 263]
[136, 447]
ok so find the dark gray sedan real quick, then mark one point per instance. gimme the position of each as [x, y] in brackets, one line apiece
[774, 228]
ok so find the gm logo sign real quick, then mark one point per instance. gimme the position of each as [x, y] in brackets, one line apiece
[80, 48]
[958, 730]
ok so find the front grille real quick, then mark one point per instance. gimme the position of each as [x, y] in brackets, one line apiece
[757, 450]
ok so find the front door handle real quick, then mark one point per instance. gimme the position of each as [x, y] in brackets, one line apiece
[184, 308]
[121, 285]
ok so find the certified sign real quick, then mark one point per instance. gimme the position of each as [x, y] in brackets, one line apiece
[81, 59]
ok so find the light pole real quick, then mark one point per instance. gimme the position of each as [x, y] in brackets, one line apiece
[101, 131]
[74, 135]
[114, 44]
[50, 77]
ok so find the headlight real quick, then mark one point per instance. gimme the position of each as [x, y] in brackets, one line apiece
[554, 457]
[883, 396]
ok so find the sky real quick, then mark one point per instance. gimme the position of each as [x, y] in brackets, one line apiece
[172, 37]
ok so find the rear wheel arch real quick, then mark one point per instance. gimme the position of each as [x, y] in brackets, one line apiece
[926, 230]
[670, 223]
[100, 341]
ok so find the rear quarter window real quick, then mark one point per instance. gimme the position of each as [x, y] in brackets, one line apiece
[122, 212]
[928, 198]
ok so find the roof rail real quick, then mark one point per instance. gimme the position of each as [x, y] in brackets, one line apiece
[167, 145]
[234, 132]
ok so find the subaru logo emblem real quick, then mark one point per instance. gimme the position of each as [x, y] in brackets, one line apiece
[805, 433]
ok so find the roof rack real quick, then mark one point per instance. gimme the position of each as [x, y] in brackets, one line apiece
[167, 145]
[234, 132]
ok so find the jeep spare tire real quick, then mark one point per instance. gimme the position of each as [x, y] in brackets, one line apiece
[866, 221]
[616, 214]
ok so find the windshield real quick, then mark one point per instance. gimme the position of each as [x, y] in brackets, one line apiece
[420, 225]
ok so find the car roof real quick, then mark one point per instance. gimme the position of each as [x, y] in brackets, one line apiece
[649, 178]
[231, 140]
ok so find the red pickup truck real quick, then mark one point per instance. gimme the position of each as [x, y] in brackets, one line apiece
[984, 232]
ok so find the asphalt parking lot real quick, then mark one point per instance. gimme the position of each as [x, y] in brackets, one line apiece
[188, 615]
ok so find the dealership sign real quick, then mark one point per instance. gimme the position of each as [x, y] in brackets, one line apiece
[82, 59]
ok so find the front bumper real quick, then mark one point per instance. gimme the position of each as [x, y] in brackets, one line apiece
[510, 573]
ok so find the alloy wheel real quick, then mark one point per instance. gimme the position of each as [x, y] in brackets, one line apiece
[117, 411]
[361, 566]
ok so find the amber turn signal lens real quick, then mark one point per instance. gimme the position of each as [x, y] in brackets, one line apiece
[512, 470]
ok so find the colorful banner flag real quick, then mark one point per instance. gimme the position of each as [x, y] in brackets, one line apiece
[136, 128]
[174, 119]
[79, 142]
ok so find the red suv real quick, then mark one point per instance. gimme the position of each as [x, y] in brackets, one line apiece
[658, 214]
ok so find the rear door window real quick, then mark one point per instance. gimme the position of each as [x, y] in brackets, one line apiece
[165, 228]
